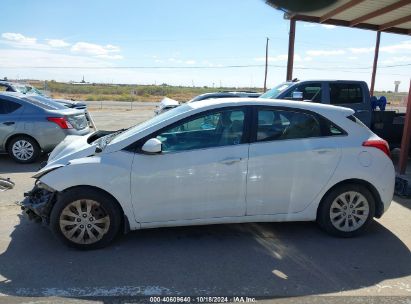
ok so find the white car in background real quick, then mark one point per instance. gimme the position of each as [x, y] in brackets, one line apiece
[217, 161]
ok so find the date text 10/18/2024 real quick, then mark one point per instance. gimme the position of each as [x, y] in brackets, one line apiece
[199, 299]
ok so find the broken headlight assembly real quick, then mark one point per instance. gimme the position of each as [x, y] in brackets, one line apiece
[38, 202]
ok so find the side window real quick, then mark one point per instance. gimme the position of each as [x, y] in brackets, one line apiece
[311, 91]
[280, 125]
[345, 93]
[330, 129]
[211, 130]
[7, 107]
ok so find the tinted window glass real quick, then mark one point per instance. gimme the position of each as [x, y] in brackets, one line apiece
[330, 129]
[334, 130]
[7, 106]
[210, 130]
[274, 92]
[342, 93]
[310, 91]
[279, 125]
[356, 120]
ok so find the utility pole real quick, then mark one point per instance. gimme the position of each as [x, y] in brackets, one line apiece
[374, 66]
[290, 60]
[266, 65]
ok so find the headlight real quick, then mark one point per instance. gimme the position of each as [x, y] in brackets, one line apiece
[44, 186]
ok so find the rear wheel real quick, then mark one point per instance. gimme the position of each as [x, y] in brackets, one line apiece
[347, 210]
[23, 149]
[86, 218]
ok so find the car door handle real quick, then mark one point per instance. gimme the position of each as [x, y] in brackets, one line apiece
[8, 123]
[230, 161]
[361, 111]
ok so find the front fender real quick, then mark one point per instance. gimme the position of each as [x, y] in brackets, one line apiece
[109, 172]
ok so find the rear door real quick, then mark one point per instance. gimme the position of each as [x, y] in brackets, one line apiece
[291, 158]
[10, 112]
[351, 95]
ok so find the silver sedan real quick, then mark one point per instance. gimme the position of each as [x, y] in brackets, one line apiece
[30, 125]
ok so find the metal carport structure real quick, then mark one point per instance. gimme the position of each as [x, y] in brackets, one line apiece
[389, 16]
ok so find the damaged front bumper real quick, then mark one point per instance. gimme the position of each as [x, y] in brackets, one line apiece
[38, 203]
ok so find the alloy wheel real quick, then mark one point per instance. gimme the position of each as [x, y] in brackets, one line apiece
[84, 222]
[349, 211]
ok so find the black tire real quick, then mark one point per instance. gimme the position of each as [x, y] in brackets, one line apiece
[27, 139]
[107, 205]
[324, 210]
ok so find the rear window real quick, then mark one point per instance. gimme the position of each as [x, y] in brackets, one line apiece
[310, 92]
[44, 103]
[7, 106]
[345, 93]
[356, 120]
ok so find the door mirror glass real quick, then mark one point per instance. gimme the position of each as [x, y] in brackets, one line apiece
[296, 95]
[153, 145]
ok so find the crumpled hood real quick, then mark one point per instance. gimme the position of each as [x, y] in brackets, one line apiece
[166, 103]
[72, 147]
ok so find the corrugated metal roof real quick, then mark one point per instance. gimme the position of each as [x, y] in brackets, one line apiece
[378, 15]
[407, 25]
[391, 16]
[363, 9]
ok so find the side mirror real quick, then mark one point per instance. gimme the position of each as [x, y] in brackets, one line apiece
[153, 145]
[297, 95]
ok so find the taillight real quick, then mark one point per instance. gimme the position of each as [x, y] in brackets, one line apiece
[379, 144]
[61, 122]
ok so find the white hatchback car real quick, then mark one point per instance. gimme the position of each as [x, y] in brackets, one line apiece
[213, 162]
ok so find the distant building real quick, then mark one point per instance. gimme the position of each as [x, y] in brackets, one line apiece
[397, 84]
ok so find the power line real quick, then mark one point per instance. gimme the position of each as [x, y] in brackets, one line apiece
[198, 67]
[235, 38]
[133, 67]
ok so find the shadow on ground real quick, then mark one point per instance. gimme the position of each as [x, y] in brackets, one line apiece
[404, 201]
[269, 260]
[7, 165]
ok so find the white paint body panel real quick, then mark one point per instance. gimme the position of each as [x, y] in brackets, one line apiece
[110, 172]
[286, 176]
[273, 181]
[188, 185]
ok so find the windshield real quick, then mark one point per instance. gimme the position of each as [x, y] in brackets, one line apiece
[21, 88]
[151, 122]
[33, 90]
[274, 92]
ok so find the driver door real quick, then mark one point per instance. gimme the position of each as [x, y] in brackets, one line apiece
[200, 173]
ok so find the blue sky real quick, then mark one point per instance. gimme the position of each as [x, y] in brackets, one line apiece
[199, 37]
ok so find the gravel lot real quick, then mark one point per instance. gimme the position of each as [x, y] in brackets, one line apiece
[266, 259]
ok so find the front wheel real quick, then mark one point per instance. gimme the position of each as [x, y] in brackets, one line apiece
[86, 218]
[347, 210]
